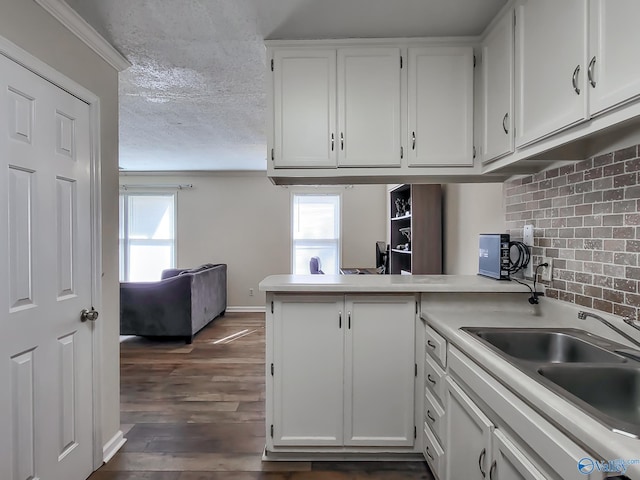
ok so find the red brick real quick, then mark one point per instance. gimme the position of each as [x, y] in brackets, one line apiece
[613, 170]
[613, 296]
[624, 311]
[591, 291]
[625, 285]
[603, 305]
[632, 300]
[584, 301]
[625, 180]
[611, 195]
[625, 154]
[584, 209]
[603, 160]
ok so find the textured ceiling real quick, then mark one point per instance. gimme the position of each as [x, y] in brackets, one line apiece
[194, 98]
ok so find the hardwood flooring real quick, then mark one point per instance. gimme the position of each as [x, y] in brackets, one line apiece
[196, 412]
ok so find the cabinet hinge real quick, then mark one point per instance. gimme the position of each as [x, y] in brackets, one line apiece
[400, 61]
[415, 371]
[401, 152]
[272, 430]
[415, 432]
[273, 154]
[272, 64]
[474, 61]
[474, 151]
[271, 307]
[272, 369]
[416, 307]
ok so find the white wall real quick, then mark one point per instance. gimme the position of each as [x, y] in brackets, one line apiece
[30, 27]
[243, 220]
[469, 209]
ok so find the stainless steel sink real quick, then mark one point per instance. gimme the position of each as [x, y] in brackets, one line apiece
[583, 368]
[549, 346]
[613, 391]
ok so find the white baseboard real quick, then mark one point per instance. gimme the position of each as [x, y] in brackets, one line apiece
[248, 309]
[112, 446]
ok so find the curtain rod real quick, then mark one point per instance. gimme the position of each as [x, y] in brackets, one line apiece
[178, 186]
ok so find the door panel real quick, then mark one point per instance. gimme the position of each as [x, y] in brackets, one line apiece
[379, 371]
[46, 236]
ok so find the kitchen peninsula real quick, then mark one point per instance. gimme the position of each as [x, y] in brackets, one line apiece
[377, 367]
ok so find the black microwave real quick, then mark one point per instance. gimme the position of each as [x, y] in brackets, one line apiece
[493, 255]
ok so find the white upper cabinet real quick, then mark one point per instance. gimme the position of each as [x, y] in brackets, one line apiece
[498, 90]
[304, 108]
[369, 107]
[440, 106]
[551, 76]
[614, 62]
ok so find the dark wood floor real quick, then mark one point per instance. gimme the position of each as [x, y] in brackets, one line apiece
[196, 412]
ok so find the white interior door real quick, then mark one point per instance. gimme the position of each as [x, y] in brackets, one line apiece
[46, 422]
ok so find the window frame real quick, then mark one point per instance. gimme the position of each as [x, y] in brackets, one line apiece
[315, 193]
[124, 242]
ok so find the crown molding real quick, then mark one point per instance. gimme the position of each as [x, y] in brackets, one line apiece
[77, 25]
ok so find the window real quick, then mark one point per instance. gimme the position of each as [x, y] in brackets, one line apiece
[147, 235]
[316, 232]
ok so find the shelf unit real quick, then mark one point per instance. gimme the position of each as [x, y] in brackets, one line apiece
[423, 216]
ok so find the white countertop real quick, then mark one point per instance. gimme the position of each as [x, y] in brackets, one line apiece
[447, 319]
[387, 284]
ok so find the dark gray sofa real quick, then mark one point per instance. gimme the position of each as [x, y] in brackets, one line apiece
[179, 305]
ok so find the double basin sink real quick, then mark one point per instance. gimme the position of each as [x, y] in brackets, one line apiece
[599, 376]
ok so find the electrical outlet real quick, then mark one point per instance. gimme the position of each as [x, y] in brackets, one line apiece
[546, 272]
[527, 239]
[251, 292]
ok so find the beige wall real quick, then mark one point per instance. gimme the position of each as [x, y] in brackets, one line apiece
[30, 27]
[243, 220]
[469, 209]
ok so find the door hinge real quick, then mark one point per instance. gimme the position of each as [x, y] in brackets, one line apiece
[272, 369]
[273, 154]
[474, 151]
[401, 152]
[272, 430]
[400, 61]
[415, 372]
[272, 64]
[416, 307]
[474, 61]
[271, 307]
[415, 432]
[514, 18]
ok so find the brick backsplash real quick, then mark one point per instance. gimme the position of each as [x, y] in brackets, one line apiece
[586, 216]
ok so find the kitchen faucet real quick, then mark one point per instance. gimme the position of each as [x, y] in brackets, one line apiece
[582, 315]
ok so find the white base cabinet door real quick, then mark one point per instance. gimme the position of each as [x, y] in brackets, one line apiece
[341, 371]
[509, 462]
[551, 49]
[380, 371]
[308, 342]
[468, 443]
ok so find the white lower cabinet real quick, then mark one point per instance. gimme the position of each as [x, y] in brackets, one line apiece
[341, 371]
[509, 463]
[468, 437]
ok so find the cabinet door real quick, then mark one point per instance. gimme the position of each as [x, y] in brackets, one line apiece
[468, 438]
[440, 106]
[304, 103]
[380, 370]
[509, 462]
[551, 42]
[369, 107]
[308, 345]
[497, 72]
[614, 65]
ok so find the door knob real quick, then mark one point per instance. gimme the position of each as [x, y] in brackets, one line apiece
[91, 315]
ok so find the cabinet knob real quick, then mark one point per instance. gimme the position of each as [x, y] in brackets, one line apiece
[341, 141]
[333, 141]
[481, 461]
[492, 469]
[413, 140]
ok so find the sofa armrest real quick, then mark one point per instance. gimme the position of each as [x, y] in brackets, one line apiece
[156, 308]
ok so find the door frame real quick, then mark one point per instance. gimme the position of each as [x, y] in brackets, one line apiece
[37, 66]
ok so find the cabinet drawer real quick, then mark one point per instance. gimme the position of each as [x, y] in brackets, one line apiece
[436, 346]
[434, 415]
[434, 378]
[434, 454]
